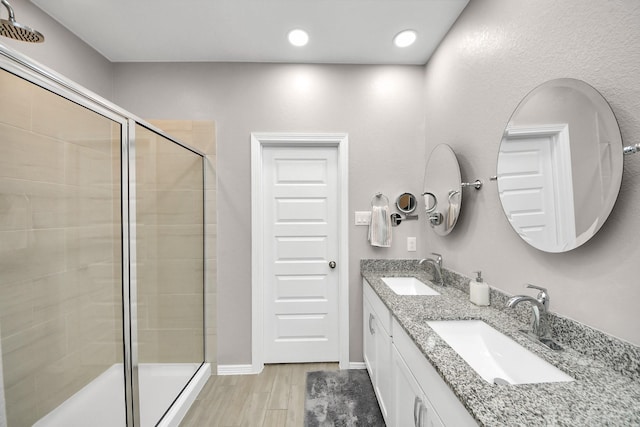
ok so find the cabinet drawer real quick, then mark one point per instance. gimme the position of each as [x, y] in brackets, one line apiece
[379, 309]
[450, 410]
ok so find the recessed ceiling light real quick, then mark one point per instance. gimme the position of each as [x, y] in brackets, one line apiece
[405, 38]
[298, 37]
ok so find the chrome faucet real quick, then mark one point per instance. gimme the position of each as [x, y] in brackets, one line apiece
[540, 329]
[437, 266]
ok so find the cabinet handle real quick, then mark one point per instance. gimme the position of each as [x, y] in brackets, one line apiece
[371, 330]
[417, 406]
[420, 418]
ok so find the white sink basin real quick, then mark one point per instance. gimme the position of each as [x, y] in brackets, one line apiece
[493, 355]
[408, 286]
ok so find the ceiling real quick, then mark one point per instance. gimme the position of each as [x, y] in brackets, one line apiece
[340, 31]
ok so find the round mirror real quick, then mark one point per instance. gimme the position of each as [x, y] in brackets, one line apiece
[560, 165]
[406, 203]
[442, 189]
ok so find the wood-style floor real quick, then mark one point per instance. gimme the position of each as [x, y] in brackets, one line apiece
[274, 398]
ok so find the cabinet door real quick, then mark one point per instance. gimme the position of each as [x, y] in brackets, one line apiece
[429, 416]
[377, 356]
[407, 397]
[368, 333]
[410, 405]
[384, 383]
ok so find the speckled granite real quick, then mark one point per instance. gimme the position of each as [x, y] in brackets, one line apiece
[606, 390]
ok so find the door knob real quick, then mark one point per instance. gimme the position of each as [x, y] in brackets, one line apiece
[332, 264]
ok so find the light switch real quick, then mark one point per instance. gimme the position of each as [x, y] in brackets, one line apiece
[411, 244]
[363, 218]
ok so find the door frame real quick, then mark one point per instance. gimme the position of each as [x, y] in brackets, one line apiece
[260, 141]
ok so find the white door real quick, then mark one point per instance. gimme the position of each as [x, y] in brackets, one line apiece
[300, 287]
[532, 182]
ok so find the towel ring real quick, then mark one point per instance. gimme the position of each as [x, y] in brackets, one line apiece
[430, 207]
[379, 200]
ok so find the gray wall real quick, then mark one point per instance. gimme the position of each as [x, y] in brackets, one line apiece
[62, 51]
[496, 53]
[381, 108]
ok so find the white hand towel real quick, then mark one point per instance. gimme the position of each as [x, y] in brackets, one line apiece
[380, 227]
[452, 215]
[454, 208]
[429, 202]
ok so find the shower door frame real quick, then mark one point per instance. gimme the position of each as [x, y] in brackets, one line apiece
[133, 281]
[26, 68]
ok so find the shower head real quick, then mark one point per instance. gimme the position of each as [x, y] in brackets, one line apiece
[10, 28]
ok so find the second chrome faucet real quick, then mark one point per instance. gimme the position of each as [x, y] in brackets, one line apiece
[437, 267]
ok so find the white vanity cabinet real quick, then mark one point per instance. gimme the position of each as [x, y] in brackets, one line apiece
[409, 390]
[377, 347]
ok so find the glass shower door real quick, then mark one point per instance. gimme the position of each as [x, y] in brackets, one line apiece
[170, 270]
[61, 333]
[96, 328]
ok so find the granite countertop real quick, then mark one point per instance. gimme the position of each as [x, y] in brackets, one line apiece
[600, 395]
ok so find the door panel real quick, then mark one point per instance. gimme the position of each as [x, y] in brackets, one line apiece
[300, 288]
[535, 186]
[300, 223]
[526, 187]
[301, 248]
[301, 210]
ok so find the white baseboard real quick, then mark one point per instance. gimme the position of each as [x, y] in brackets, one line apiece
[357, 365]
[236, 370]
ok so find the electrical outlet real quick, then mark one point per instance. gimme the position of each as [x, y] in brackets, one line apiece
[411, 244]
[363, 218]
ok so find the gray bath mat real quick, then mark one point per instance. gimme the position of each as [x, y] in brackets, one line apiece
[341, 399]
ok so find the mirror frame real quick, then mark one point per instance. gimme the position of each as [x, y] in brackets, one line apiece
[412, 203]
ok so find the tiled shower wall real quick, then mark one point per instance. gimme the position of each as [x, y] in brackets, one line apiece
[169, 250]
[60, 249]
[60, 286]
[202, 135]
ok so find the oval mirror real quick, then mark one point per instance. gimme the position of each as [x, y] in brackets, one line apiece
[406, 203]
[560, 165]
[442, 189]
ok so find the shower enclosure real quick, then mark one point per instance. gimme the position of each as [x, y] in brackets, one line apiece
[102, 260]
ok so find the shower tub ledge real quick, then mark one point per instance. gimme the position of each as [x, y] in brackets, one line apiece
[102, 400]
